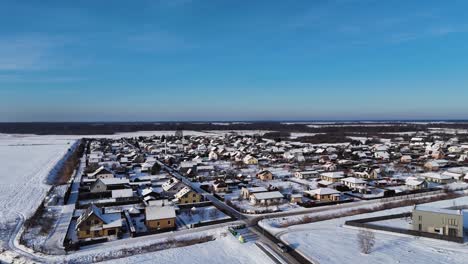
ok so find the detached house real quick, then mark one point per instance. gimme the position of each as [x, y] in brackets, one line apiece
[415, 183]
[439, 221]
[160, 217]
[250, 160]
[266, 198]
[332, 176]
[325, 194]
[354, 183]
[93, 223]
[101, 173]
[246, 192]
[265, 175]
[306, 174]
[187, 195]
[220, 186]
[108, 184]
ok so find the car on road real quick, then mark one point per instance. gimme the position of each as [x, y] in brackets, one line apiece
[282, 247]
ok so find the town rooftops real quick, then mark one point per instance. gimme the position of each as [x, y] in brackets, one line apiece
[435, 175]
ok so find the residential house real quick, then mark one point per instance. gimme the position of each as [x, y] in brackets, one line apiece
[108, 184]
[306, 174]
[324, 194]
[265, 175]
[295, 198]
[94, 223]
[354, 183]
[101, 173]
[332, 176]
[437, 177]
[266, 198]
[220, 186]
[187, 195]
[250, 160]
[246, 192]
[439, 221]
[415, 183]
[160, 217]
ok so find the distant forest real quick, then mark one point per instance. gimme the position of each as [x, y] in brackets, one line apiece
[362, 129]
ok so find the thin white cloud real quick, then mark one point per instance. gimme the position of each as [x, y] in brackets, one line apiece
[24, 78]
[158, 42]
[27, 52]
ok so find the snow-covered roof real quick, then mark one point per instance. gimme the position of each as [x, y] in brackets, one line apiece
[323, 191]
[267, 195]
[354, 180]
[122, 193]
[335, 174]
[101, 169]
[437, 210]
[413, 181]
[435, 175]
[256, 189]
[159, 212]
[182, 192]
[114, 181]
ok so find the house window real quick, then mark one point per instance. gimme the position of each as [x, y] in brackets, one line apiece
[169, 222]
[194, 194]
[96, 233]
[420, 218]
[87, 232]
[420, 227]
[157, 223]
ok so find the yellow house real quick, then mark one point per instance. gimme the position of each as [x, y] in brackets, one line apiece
[250, 160]
[325, 194]
[220, 186]
[160, 217]
[332, 176]
[186, 196]
[265, 175]
[93, 223]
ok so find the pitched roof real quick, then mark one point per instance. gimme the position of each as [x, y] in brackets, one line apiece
[159, 212]
[268, 195]
[323, 191]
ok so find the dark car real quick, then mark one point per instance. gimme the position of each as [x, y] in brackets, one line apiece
[282, 247]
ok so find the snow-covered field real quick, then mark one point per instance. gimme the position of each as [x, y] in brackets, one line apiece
[332, 242]
[227, 250]
[26, 163]
[202, 215]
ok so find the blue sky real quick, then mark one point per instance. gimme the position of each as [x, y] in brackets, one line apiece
[233, 60]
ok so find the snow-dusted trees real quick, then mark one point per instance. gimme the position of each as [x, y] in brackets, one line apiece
[366, 241]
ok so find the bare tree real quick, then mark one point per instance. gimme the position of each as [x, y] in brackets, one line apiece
[366, 241]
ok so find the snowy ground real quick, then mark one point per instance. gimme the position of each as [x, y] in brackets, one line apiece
[28, 161]
[331, 242]
[403, 222]
[227, 250]
[201, 215]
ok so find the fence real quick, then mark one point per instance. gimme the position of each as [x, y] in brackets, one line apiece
[364, 223]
